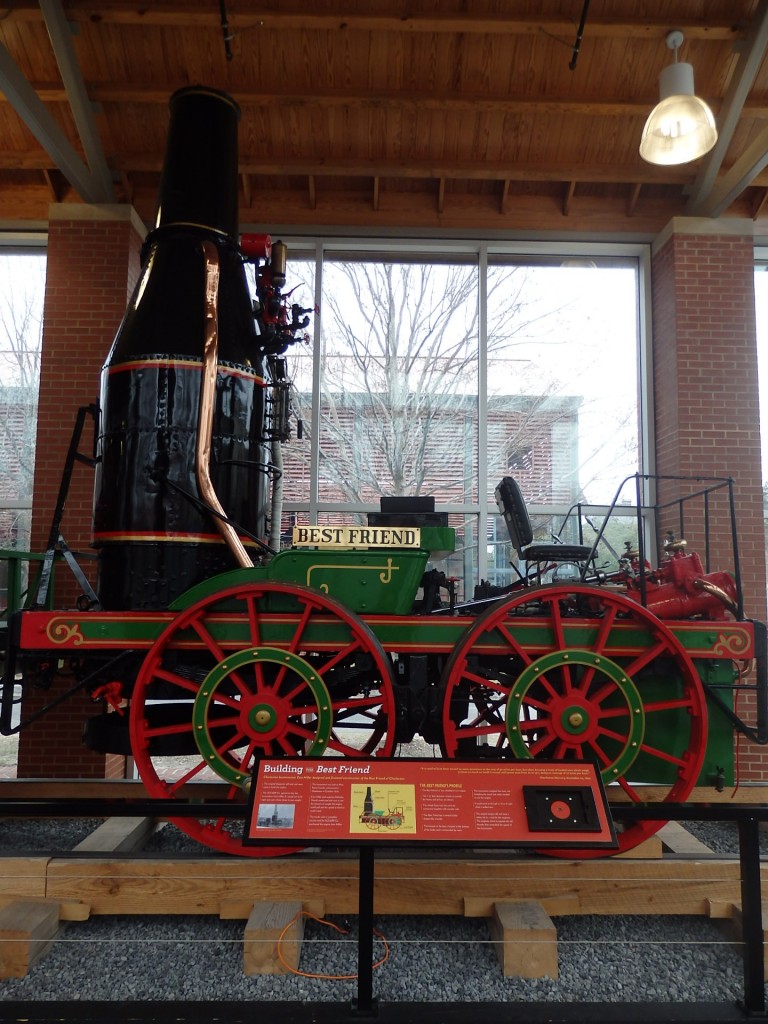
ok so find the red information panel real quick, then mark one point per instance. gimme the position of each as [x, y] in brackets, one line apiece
[511, 803]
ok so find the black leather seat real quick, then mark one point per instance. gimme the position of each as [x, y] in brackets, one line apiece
[514, 511]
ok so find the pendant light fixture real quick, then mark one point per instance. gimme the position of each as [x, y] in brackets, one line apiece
[681, 127]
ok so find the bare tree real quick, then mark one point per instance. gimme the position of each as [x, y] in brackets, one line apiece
[399, 364]
[22, 282]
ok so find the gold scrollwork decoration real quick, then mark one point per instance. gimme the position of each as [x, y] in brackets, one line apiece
[63, 631]
[733, 644]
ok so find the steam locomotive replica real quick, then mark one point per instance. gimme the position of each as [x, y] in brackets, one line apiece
[207, 649]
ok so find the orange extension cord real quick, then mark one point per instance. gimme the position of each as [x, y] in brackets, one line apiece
[342, 931]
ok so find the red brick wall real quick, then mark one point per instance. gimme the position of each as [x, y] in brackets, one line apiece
[706, 394]
[93, 265]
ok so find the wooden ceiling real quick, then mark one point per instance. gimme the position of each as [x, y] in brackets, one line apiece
[471, 115]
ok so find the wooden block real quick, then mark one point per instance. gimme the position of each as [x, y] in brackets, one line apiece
[21, 877]
[736, 931]
[118, 835]
[266, 924]
[649, 849]
[27, 929]
[720, 909]
[525, 939]
[677, 839]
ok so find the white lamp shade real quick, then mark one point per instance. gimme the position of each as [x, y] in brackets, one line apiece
[681, 127]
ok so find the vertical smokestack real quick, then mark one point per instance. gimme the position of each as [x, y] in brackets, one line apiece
[154, 535]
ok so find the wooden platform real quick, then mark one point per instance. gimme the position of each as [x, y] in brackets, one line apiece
[404, 885]
[672, 873]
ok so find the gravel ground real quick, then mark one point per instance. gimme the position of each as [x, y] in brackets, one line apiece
[431, 959]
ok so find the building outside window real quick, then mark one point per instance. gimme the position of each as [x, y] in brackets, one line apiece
[437, 370]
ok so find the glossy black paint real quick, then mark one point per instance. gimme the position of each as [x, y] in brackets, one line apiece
[155, 539]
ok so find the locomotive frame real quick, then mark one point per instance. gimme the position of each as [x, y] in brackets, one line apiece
[319, 652]
[204, 643]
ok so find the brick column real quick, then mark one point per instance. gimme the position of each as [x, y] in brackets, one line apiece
[706, 391]
[92, 267]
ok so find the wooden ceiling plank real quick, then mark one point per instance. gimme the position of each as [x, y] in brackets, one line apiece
[376, 193]
[441, 195]
[312, 192]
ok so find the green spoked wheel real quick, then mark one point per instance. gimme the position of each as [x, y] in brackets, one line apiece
[577, 673]
[259, 670]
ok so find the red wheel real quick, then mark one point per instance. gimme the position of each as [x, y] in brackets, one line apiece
[259, 670]
[578, 673]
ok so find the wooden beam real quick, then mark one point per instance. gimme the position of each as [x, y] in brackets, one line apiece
[127, 186]
[440, 195]
[504, 196]
[570, 188]
[634, 195]
[118, 835]
[158, 14]
[55, 181]
[312, 191]
[376, 192]
[757, 209]
[246, 179]
[595, 106]
[617, 885]
[388, 168]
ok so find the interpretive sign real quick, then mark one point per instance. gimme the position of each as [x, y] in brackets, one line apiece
[512, 803]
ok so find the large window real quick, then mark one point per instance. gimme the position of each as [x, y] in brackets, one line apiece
[22, 283]
[436, 370]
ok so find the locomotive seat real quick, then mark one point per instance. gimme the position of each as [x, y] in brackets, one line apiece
[512, 506]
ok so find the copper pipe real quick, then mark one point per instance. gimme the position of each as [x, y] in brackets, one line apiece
[206, 406]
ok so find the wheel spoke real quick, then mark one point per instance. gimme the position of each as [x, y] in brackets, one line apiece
[172, 789]
[532, 724]
[611, 735]
[659, 648]
[490, 684]
[684, 703]
[662, 755]
[173, 677]
[298, 632]
[168, 730]
[479, 730]
[339, 657]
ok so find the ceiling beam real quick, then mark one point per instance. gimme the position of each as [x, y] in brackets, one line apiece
[117, 12]
[750, 58]
[30, 109]
[743, 173]
[118, 92]
[281, 165]
[60, 34]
